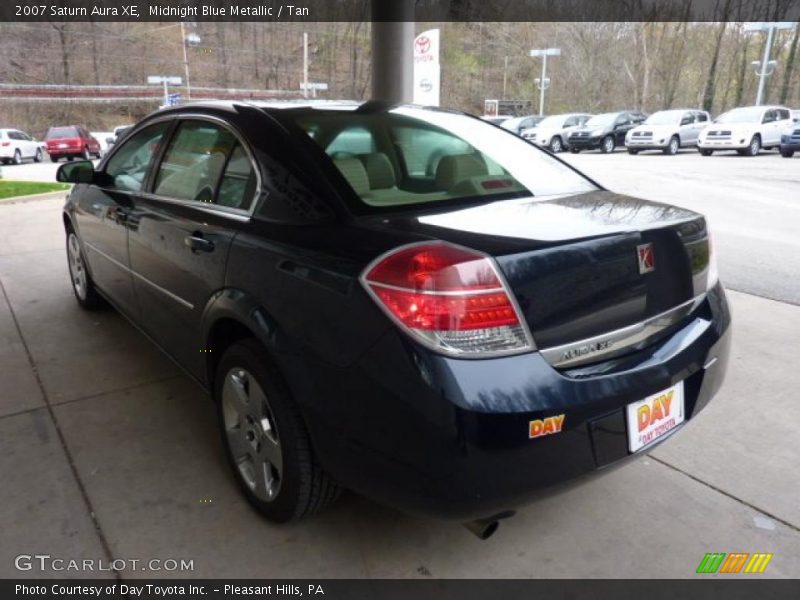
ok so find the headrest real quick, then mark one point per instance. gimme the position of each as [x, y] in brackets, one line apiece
[379, 170]
[355, 174]
[458, 167]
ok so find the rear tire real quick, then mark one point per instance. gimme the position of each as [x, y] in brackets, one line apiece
[17, 160]
[265, 438]
[54, 158]
[86, 154]
[82, 284]
[607, 145]
[787, 153]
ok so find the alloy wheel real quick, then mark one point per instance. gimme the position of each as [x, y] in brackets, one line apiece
[17, 157]
[77, 269]
[608, 144]
[674, 146]
[555, 145]
[251, 434]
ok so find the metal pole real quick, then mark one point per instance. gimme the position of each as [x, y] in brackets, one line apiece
[392, 33]
[305, 64]
[543, 84]
[505, 76]
[185, 62]
[762, 77]
[166, 91]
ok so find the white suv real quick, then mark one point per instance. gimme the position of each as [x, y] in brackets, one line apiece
[552, 132]
[667, 130]
[16, 145]
[746, 130]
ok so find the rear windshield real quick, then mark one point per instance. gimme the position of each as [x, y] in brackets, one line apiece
[61, 132]
[410, 156]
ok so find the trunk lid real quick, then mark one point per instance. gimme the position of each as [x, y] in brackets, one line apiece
[575, 263]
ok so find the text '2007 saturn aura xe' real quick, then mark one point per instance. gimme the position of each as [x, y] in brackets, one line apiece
[410, 303]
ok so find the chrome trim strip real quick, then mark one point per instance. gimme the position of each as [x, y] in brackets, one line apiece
[166, 292]
[620, 341]
[397, 288]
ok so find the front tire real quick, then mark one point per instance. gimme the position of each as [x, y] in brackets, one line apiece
[265, 438]
[673, 146]
[607, 145]
[54, 158]
[82, 284]
[755, 146]
[556, 145]
[38, 156]
[705, 152]
[787, 153]
[633, 151]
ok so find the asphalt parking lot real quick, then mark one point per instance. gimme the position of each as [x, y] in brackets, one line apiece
[108, 452]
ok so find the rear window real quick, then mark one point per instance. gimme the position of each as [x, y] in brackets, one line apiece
[61, 132]
[409, 156]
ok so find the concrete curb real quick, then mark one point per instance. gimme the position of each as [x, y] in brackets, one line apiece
[34, 197]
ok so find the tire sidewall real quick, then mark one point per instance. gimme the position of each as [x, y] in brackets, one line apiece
[251, 356]
[605, 146]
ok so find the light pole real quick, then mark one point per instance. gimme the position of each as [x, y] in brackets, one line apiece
[544, 83]
[191, 39]
[765, 66]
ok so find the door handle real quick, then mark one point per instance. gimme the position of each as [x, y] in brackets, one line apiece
[197, 243]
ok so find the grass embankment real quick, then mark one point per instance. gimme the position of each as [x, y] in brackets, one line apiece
[14, 189]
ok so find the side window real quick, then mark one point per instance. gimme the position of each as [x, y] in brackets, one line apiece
[127, 168]
[13, 135]
[28, 138]
[194, 161]
[783, 114]
[687, 119]
[571, 122]
[623, 119]
[769, 116]
[422, 149]
[238, 184]
[702, 117]
[353, 140]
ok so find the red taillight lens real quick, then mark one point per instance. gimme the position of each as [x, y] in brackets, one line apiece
[4, 144]
[450, 298]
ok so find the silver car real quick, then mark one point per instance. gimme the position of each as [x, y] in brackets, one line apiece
[668, 131]
[552, 132]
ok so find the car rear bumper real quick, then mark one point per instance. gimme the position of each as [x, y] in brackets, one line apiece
[449, 438]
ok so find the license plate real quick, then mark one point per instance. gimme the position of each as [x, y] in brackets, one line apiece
[62, 145]
[654, 417]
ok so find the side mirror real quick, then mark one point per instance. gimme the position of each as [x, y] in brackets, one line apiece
[81, 171]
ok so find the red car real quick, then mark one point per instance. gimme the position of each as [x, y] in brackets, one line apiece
[71, 141]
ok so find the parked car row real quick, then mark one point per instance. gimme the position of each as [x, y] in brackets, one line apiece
[747, 130]
[70, 141]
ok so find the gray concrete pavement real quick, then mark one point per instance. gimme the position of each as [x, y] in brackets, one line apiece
[107, 451]
[752, 203]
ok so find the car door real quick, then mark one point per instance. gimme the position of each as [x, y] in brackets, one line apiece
[783, 122]
[688, 129]
[180, 233]
[31, 145]
[768, 131]
[103, 211]
[701, 119]
[622, 125]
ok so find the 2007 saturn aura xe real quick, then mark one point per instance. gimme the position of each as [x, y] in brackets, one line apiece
[408, 302]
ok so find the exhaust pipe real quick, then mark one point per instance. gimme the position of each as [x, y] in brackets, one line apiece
[483, 529]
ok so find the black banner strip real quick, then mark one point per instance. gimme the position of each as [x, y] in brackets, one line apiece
[400, 10]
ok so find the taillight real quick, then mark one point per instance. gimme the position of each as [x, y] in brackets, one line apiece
[451, 299]
[4, 144]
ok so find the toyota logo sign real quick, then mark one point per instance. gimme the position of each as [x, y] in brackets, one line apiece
[422, 44]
